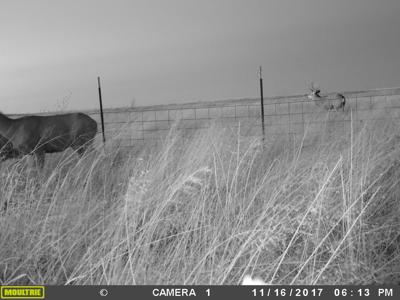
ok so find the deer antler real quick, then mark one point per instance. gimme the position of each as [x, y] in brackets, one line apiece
[314, 89]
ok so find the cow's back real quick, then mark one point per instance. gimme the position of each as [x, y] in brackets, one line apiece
[64, 130]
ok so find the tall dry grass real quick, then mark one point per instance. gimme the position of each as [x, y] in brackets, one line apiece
[208, 209]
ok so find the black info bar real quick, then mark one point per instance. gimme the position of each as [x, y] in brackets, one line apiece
[201, 292]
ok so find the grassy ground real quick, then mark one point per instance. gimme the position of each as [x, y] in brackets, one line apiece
[208, 209]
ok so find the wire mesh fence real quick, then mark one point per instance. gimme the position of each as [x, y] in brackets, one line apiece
[291, 115]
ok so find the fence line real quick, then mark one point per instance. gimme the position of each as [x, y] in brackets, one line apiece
[283, 115]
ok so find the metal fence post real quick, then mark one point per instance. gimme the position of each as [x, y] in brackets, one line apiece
[101, 110]
[262, 105]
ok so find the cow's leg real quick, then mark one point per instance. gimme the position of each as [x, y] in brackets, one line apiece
[5, 205]
[81, 151]
[81, 148]
[39, 158]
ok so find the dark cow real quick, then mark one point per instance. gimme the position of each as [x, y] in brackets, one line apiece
[38, 135]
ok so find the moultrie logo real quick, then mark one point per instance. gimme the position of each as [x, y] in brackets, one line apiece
[22, 292]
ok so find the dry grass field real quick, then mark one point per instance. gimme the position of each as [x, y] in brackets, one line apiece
[209, 209]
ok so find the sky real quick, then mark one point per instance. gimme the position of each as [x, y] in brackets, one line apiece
[176, 51]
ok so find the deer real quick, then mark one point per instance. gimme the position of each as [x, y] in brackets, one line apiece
[38, 135]
[334, 101]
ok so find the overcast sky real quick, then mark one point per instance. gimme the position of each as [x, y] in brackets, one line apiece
[175, 51]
